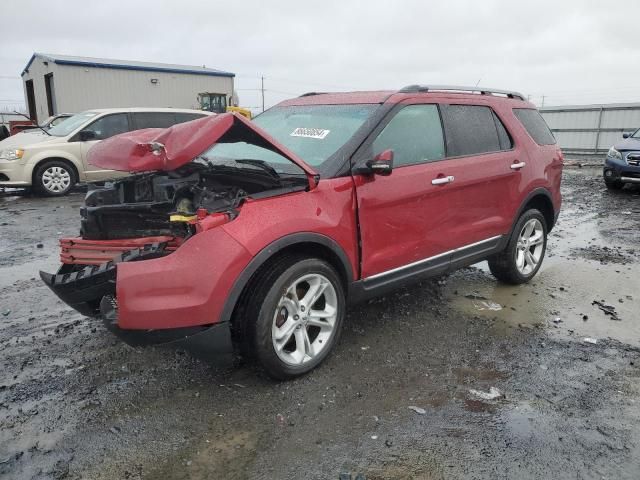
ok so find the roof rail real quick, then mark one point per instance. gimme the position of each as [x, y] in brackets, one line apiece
[459, 89]
[310, 94]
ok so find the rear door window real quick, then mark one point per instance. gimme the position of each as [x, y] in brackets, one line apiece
[470, 130]
[535, 125]
[414, 135]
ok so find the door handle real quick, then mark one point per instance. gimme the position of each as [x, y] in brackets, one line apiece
[442, 180]
[517, 165]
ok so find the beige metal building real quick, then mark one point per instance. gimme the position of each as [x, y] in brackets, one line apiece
[61, 83]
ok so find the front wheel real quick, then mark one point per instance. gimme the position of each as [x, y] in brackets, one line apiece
[521, 259]
[54, 178]
[298, 309]
[614, 184]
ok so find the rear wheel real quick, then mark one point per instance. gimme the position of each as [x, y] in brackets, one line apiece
[521, 259]
[295, 315]
[54, 178]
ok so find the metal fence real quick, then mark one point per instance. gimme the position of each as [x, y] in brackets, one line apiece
[591, 129]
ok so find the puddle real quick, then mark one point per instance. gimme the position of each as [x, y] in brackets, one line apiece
[543, 303]
[581, 273]
[49, 262]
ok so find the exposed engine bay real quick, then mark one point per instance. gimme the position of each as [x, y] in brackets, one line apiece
[164, 203]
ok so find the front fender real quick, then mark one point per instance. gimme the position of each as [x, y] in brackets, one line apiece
[51, 154]
[185, 289]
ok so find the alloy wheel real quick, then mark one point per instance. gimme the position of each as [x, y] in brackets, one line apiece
[530, 246]
[305, 319]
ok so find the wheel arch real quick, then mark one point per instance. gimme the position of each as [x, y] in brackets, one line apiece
[541, 200]
[314, 244]
[40, 162]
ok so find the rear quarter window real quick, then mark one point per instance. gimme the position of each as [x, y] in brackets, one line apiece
[535, 125]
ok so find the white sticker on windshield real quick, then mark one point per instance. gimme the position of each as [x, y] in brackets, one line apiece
[310, 132]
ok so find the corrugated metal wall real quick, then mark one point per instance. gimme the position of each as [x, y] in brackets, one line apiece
[81, 88]
[591, 129]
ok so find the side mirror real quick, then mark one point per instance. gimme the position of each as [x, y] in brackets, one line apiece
[86, 135]
[626, 135]
[382, 163]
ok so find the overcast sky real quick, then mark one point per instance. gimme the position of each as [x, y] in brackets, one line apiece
[573, 52]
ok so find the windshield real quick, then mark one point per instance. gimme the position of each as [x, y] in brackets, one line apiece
[313, 132]
[67, 126]
[636, 134]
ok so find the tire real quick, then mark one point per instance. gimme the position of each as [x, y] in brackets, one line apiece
[283, 338]
[54, 178]
[614, 184]
[513, 265]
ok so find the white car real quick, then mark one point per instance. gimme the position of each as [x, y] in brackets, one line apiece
[55, 160]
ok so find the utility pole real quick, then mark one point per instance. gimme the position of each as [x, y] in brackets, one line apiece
[542, 102]
[262, 91]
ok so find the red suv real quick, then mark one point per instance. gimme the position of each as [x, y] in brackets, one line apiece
[261, 233]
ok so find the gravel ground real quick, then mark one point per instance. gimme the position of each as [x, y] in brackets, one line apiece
[403, 396]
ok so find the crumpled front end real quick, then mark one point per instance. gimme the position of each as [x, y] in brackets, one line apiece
[153, 258]
[151, 294]
[84, 286]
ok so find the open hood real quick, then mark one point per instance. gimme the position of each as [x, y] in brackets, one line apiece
[169, 148]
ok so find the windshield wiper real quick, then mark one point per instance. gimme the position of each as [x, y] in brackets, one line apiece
[260, 163]
[36, 125]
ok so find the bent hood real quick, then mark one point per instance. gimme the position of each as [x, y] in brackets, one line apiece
[169, 148]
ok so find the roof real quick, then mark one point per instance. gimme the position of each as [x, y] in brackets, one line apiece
[394, 96]
[126, 65]
[148, 109]
[339, 98]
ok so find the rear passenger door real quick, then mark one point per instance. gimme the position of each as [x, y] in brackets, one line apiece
[484, 167]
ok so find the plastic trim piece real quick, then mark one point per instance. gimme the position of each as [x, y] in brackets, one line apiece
[425, 260]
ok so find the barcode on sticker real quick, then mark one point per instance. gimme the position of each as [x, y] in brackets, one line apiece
[310, 132]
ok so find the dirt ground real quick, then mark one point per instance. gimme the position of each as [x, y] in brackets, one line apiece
[77, 403]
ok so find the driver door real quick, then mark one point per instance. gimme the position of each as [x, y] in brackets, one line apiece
[103, 128]
[403, 216]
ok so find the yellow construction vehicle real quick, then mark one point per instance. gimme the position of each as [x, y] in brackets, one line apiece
[245, 112]
[218, 103]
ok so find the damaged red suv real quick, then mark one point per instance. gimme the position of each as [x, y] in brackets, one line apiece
[259, 234]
